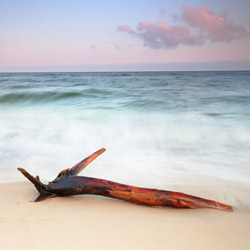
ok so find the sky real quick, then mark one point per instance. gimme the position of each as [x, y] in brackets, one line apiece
[131, 35]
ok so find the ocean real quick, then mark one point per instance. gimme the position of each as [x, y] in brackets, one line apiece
[159, 128]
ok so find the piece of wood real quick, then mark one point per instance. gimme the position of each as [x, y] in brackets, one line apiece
[68, 183]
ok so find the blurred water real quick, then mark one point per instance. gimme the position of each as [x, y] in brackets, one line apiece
[158, 127]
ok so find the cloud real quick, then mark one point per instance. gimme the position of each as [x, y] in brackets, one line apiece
[114, 45]
[201, 24]
[161, 35]
[125, 28]
[117, 47]
[217, 27]
[93, 47]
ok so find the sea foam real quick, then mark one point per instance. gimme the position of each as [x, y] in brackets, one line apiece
[159, 128]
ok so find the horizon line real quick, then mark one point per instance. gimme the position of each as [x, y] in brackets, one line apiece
[133, 67]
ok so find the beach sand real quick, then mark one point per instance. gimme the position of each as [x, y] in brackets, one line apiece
[93, 222]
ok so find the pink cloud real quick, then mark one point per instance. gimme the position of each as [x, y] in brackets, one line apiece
[216, 26]
[201, 25]
[161, 35]
[125, 28]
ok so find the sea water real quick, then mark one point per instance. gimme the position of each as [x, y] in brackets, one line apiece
[159, 128]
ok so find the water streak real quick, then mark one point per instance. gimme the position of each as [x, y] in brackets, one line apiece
[158, 127]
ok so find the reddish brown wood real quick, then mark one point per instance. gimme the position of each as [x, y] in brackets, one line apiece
[67, 183]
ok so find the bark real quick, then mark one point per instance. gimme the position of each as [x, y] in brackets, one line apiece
[68, 183]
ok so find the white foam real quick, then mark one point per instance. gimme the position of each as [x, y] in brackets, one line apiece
[149, 145]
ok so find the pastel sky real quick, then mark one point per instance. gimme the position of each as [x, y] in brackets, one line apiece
[112, 35]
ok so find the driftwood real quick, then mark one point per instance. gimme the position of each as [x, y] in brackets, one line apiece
[68, 183]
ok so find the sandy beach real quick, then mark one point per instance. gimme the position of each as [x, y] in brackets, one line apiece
[93, 222]
[163, 87]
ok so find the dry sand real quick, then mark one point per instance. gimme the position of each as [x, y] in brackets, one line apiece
[93, 222]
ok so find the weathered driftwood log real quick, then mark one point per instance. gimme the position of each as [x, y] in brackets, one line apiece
[68, 183]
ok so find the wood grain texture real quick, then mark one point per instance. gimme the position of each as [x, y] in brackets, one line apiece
[68, 183]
